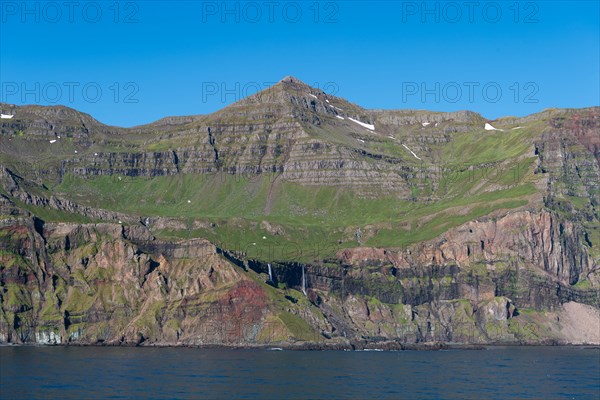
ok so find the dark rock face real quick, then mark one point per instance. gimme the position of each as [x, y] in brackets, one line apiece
[127, 164]
[569, 153]
[108, 283]
[534, 259]
[91, 283]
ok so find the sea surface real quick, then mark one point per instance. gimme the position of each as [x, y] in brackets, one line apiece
[159, 373]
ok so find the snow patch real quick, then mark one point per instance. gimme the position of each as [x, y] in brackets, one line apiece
[327, 100]
[6, 116]
[310, 94]
[360, 140]
[517, 127]
[412, 152]
[426, 123]
[340, 117]
[368, 126]
[391, 137]
[53, 141]
[488, 127]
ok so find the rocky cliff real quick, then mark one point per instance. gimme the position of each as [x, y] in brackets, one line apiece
[298, 218]
[106, 283]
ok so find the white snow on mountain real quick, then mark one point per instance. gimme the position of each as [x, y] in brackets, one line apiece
[412, 152]
[368, 126]
[489, 127]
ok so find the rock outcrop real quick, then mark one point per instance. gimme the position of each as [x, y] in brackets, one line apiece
[109, 283]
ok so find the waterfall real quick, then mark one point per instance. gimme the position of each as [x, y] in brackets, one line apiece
[270, 273]
[303, 281]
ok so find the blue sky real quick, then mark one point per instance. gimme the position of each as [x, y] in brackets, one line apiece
[133, 62]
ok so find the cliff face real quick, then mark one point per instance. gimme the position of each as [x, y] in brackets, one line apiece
[292, 130]
[440, 230]
[569, 152]
[103, 283]
[535, 259]
[106, 283]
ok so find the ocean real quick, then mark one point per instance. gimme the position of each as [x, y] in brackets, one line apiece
[29, 372]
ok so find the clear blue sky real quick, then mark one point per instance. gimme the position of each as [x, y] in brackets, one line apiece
[193, 57]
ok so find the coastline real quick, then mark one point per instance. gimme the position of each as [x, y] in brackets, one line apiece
[316, 346]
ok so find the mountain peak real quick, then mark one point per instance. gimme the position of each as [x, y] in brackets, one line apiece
[291, 79]
[288, 90]
[306, 100]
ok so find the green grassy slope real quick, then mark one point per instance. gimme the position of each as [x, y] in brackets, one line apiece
[464, 173]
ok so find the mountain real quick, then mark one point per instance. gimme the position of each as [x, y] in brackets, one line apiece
[297, 218]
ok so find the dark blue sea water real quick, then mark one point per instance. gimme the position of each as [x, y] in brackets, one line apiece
[118, 373]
